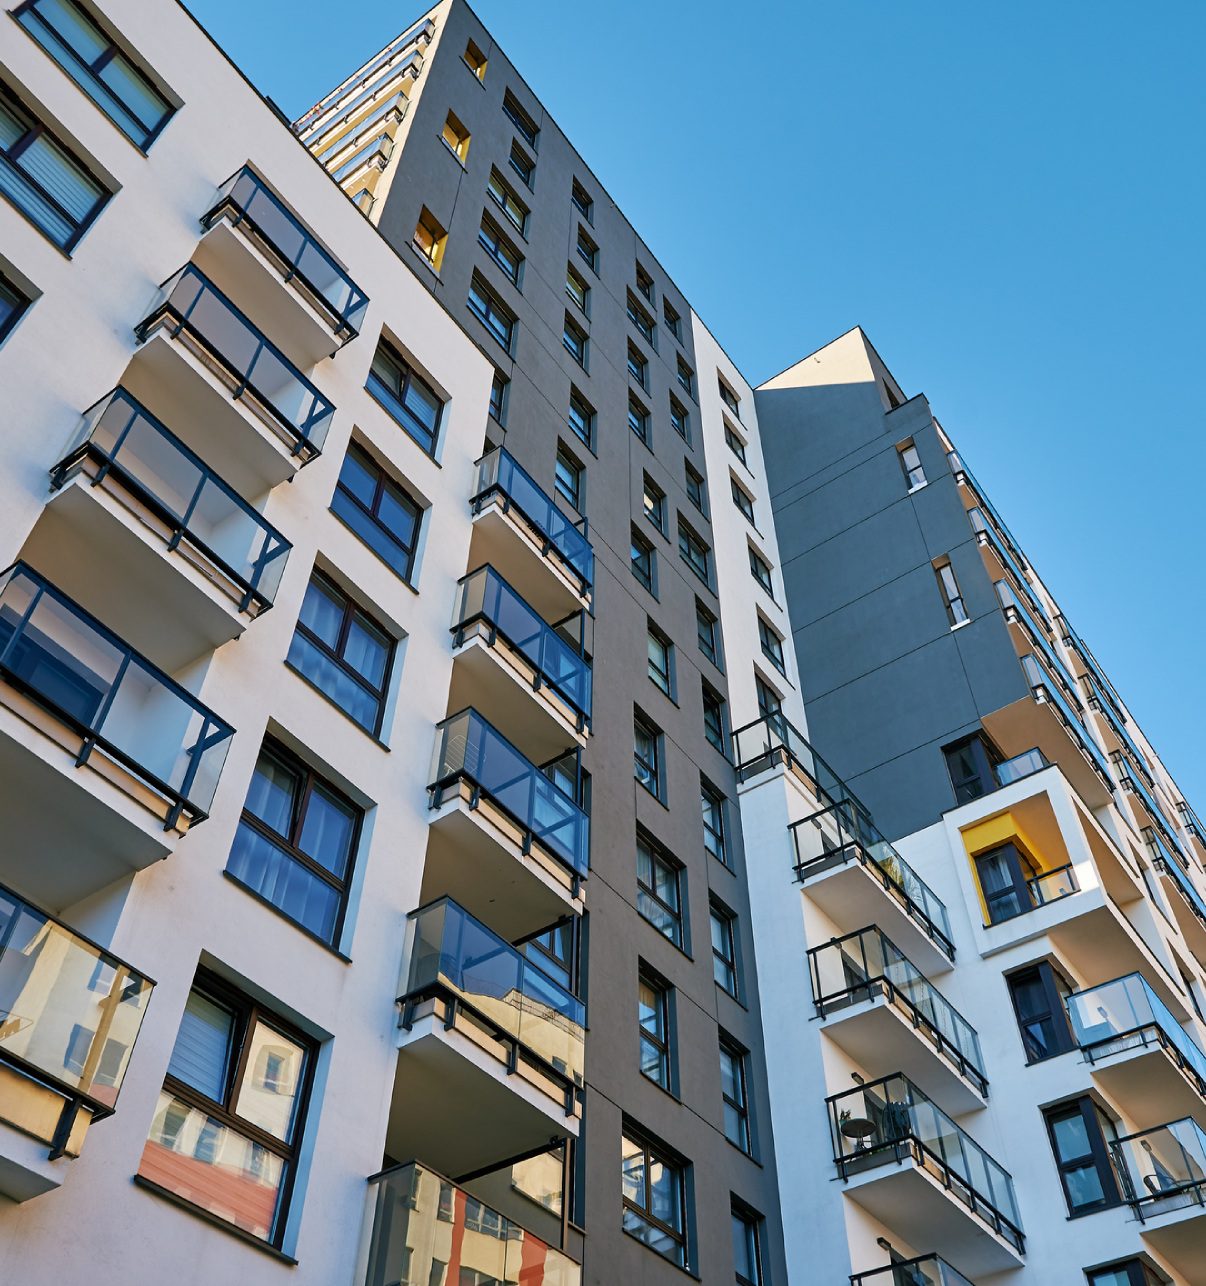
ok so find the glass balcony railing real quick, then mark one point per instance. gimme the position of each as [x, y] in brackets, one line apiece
[1127, 1014]
[1051, 886]
[448, 951]
[887, 1120]
[1163, 1168]
[376, 151]
[759, 743]
[1007, 560]
[1023, 765]
[499, 473]
[191, 306]
[1134, 783]
[1012, 605]
[927, 1270]
[1103, 685]
[470, 749]
[1101, 706]
[483, 596]
[112, 697]
[390, 112]
[987, 505]
[1176, 871]
[867, 963]
[1041, 683]
[420, 1222]
[69, 1011]
[302, 256]
[122, 442]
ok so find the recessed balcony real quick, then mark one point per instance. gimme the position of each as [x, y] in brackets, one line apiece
[69, 1016]
[138, 523]
[487, 1040]
[225, 388]
[520, 532]
[515, 668]
[906, 1163]
[505, 840]
[256, 249]
[880, 1008]
[925, 1270]
[102, 754]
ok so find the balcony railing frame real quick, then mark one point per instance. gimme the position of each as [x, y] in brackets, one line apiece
[893, 1274]
[1190, 1192]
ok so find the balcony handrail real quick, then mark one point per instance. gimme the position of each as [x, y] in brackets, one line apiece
[771, 735]
[1162, 1164]
[213, 734]
[1068, 884]
[1050, 690]
[255, 205]
[1137, 786]
[894, 1274]
[1191, 821]
[274, 547]
[1177, 871]
[498, 472]
[1007, 560]
[1007, 597]
[307, 431]
[1018, 767]
[451, 763]
[994, 513]
[397, 102]
[485, 596]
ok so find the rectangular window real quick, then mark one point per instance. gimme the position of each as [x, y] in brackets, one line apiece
[747, 1247]
[567, 477]
[713, 717]
[948, 587]
[674, 323]
[643, 565]
[508, 202]
[770, 703]
[13, 303]
[575, 340]
[1131, 1272]
[971, 763]
[638, 366]
[658, 890]
[728, 397]
[644, 283]
[640, 320]
[679, 419]
[760, 570]
[734, 1090]
[910, 465]
[504, 254]
[378, 510]
[343, 652]
[430, 238]
[296, 842]
[409, 399]
[638, 420]
[724, 947]
[227, 1128]
[696, 489]
[772, 646]
[588, 252]
[577, 289]
[653, 1017]
[522, 121]
[685, 376]
[43, 179]
[581, 418]
[653, 500]
[456, 138]
[475, 60]
[661, 660]
[1004, 874]
[647, 755]
[735, 445]
[498, 397]
[707, 633]
[742, 499]
[694, 553]
[583, 201]
[492, 312]
[1038, 995]
[712, 805]
[1079, 1132]
[87, 54]
[653, 1187]
[522, 164]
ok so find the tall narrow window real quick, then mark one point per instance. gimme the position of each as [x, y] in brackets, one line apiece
[724, 946]
[644, 566]
[910, 465]
[1005, 873]
[1131, 1272]
[647, 755]
[653, 1188]
[653, 1018]
[583, 201]
[728, 397]
[680, 422]
[734, 1089]
[641, 320]
[581, 418]
[772, 645]
[506, 200]
[695, 553]
[712, 805]
[408, 398]
[653, 501]
[742, 499]
[567, 477]
[456, 138]
[770, 703]
[644, 283]
[13, 303]
[498, 397]
[638, 366]
[498, 319]
[948, 587]
[588, 252]
[674, 322]
[522, 164]
[707, 632]
[1038, 995]
[713, 717]
[735, 444]
[430, 238]
[685, 376]
[378, 510]
[697, 492]
[638, 419]
[747, 1247]
[576, 288]
[661, 660]
[760, 571]
[1079, 1132]
[659, 895]
[574, 338]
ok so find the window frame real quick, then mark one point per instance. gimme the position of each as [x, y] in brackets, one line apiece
[661, 678]
[658, 856]
[654, 767]
[714, 804]
[1044, 973]
[685, 376]
[638, 366]
[638, 415]
[713, 700]
[673, 318]
[642, 323]
[1137, 1273]
[587, 249]
[696, 487]
[724, 917]
[705, 615]
[455, 126]
[660, 1038]
[650, 556]
[680, 419]
[654, 1154]
[1098, 1155]
[478, 67]
[775, 655]
[524, 166]
[389, 401]
[753, 1224]
[567, 457]
[521, 118]
[582, 201]
[701, 563]
[579, 405]
[500, 192]
[734, 443]
[431, 226]
[761, 571]
[644, 283]
[727, 396]
[902, 450]
[576, 341]
[654, 504]
[743, 500]
[498, 246]
[950, 593]
[497, 409]
[573, 275]
[21, 305]
[493, 305]
[383, 485]
[741, 1107]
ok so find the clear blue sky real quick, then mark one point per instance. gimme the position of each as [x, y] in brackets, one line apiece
[1009, 198]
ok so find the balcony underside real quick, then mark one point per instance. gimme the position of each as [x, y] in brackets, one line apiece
[504, 540]
[1178, 1236]
[1028, 723]
[1146, 1084]
[1191, 925]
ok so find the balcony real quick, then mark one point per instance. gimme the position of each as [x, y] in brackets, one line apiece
[910, 1166]
[69, 1016]
[771, 741]
[880, 1008]
[142, 525]
[517, 669]
[999, 559]
[856, 877]
[1149, 809]
[420, 1225]
[75, 697]
[227, 391]
[256, 248]
[1036, 891]
[505, 840]
[1142, 1058]
[1188, 904]
[487, 1040]
[926, 1270]
[1030, 636]
[520, 532]
[1192, 826]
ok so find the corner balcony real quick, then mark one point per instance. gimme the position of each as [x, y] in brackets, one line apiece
[69, 1016]
[1141, 1057]
[925, 1270]
[225, 388]
[102, 754]
[256, 248]
[1188, 903]
[906, 1163]
[504, 840]
[141, 524]
[880, 1008]
[517, 669]
[520, 532]
[486, 1040]
[420, 1225]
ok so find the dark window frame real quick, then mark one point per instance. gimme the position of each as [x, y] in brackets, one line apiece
[654, 1154]
[761, 571]
[654, 504]
[697, 488]
[587, 249]
[485, 313]
[715, 717]
[742, 499]
[1098, 1155]
[660, 1041]
[576, 341]
[582, 201]
[580, 406]
[753, 1224]
[720, 914]
[1055, 1015]
[659, 857]
[496, 185]
[638, 415]
[394, 403]
[653, 768]
[695, 551]
[704, 616]
[638, 366]
[741, 1107]
[384, 486]
[521, 118]
[497, 245]
[714, 804]
[522, 164]
[662, 679]
[771, 643]
[567, 457]
[649, 555]
[21, 305]
[673, 319]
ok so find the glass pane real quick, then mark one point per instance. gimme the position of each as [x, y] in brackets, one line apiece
[282, 880]
[273, 1077]
[332, 679]
[1071, 1137]
[271, 794]
[201, 1056]
[322, 613]
[327, 830]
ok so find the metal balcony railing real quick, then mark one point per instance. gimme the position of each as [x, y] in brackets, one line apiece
[1164, 1168]
[925, 1270]
[1045, 688]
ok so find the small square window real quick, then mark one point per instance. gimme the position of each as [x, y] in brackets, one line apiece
[696, 489]
[588, 252]
[659, 893]
[581, 418]
[567, 477]
[575, 340]
[577, 289]
[680, 421]
[772, 645]
[522, 121]
[456, 138]
[430, 238]
[742, 499]
[475, 60]
[638, 366]
[492, 240]
[708, 633]
[522, 164]
[674, 323]
[644, 566]
[660, 660]
[760, 571]
[653, 500]
[583, 201]
[638, 420]
[647, 755]
[685, 376]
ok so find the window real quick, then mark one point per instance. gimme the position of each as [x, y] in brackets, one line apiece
[583, 201]
[770, 703]
[1078, 1133]
[456, 138]
[412, 402]
[492, 312]
[728, 397]
[647, 755]
[508, 202]
[706, 632]
[343, 652]
[644, 568]
[653, 499]
[644, 283]
[713, 717]
[638, 366]
[555, 950]
[504, 254]
[679, 420]
[581, 418]
[1131, 1272]
[231, 1113]
[641, 320]
[661, 660]
[760, 570]
[735, 445]
[685, 375]
[13, 303]
[735, 1094]
[1005, 873]
[724, 947]
[588, 252]
[498, 397]
[567, 477]
[971, 765]
[694, 553]
[948, 587]
[87, 54]
[430, 238]
[910, 465]
[674, 323]
[712, 805]
[475, 60]
[638, 420]
[1038, 996]
[653, 1017]
[653, 1187]
[772, 646]
[747, 1247]
[742, 499]
[49, 185]
[295, 842]
[577, 289]
[523, 123]
[378, 510]
[522, 164]
[697, 492]
[575, 340]
[658, 890]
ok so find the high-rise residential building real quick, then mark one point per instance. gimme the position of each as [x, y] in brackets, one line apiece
[482, 913]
